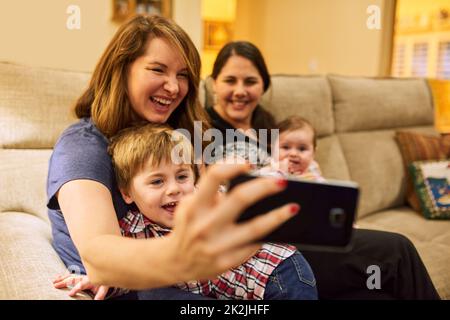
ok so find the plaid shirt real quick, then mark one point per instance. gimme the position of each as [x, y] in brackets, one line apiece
[247, 281]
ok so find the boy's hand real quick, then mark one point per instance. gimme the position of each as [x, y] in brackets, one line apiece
[79, 283]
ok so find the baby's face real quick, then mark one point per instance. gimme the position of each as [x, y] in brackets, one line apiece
[157, 190]
[296, 147]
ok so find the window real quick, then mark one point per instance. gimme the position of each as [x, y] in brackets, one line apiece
[419, 60]
[443, 64]
[398, 66]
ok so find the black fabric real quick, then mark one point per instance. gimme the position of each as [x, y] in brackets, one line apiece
[261, 120]
[217, 121]
[235, 142]
[342, 276]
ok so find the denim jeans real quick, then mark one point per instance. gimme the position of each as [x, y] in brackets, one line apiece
[293, 279]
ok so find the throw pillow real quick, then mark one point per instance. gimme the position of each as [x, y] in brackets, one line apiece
[415, 147]
[431, 183]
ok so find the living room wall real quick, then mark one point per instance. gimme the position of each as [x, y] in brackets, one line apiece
[296, 36]
[320, 36]
[34, 32]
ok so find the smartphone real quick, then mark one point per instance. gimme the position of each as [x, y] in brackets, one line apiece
[326, 216]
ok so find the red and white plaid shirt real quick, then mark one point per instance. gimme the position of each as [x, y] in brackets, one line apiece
[247, 281]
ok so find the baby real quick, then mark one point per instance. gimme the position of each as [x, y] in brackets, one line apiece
[294, 152]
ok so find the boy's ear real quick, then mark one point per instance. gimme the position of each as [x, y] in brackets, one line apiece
[126, 196]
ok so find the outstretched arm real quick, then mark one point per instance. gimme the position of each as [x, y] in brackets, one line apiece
[205, 242]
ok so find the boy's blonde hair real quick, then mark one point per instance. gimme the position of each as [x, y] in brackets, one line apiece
[132, 147]
[293, 123]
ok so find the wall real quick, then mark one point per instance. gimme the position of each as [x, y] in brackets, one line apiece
[321, 36]
[296, 36]
[187, 13]
[34, 32]
[215, 10]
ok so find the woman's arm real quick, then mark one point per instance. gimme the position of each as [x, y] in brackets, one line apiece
[205, 242]
[109, 258]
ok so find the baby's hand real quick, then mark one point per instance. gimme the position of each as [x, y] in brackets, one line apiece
[79, 283]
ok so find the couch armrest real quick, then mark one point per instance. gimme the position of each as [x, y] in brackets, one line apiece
[29, 262]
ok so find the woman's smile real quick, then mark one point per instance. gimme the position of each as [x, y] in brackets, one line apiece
[161, 105]
[238, 105]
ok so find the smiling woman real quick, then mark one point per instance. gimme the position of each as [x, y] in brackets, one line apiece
[149, 73]
[238, 88]
[157, 81]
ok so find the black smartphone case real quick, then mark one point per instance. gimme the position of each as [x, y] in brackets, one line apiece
[325, 220]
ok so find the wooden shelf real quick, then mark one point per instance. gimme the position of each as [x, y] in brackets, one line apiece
[124, 9]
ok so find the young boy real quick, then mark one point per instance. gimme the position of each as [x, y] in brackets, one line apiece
[154, 172]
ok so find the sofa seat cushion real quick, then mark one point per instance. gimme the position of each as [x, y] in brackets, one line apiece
[29, 263]
[431, 238]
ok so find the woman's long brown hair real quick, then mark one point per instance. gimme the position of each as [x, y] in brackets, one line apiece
[106, 98]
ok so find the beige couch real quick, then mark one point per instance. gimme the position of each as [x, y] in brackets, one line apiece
[355, 118]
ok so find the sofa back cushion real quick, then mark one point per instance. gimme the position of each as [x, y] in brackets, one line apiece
[367, 113]
[23, 177]
[306, 96]
[375, 162]
[35, 104]
[372, 104]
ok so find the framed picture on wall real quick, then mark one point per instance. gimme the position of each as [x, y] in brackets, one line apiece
[124, 9]
[216, 34]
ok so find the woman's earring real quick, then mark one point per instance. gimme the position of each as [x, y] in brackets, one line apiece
[214, 98]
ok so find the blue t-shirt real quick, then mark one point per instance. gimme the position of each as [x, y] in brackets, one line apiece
[80, 153]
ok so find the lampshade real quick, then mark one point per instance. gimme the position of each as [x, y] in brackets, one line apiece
[441, 97]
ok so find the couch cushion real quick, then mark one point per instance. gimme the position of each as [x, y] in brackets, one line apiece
[430, 237]
[307, 96]
[23, 177]
[331, 158]
[416, 146]
[29, 263]
[375, 163]
[35, 104]
[431, 186]
[369, 104]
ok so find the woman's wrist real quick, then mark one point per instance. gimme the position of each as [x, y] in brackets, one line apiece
[174, 262]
